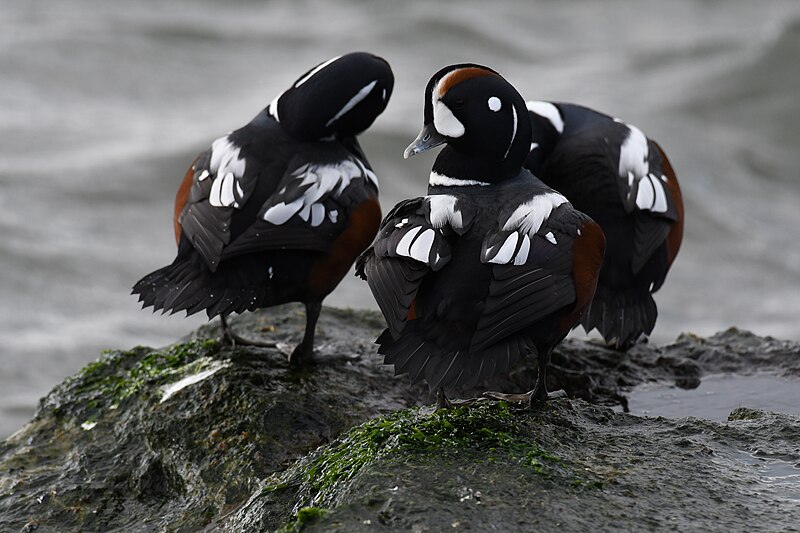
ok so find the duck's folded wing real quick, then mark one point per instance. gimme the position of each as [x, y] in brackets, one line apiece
[532, 274]
[415, 239]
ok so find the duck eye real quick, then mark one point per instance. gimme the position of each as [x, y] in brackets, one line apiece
[458, 104]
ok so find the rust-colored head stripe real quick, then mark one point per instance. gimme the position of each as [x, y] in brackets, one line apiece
[460, 75]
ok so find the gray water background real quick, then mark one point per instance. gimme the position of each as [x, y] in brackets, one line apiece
[104, 104]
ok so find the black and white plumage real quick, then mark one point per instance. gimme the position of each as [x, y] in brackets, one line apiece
[491, 265]
[624, 181]
[278, 210]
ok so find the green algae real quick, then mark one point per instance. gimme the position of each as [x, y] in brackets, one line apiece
[305, 517]
[104, 384]
[492, 431]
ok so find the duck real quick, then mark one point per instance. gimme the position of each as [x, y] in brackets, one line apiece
[491, 266]
[278, 210]
[623, 180]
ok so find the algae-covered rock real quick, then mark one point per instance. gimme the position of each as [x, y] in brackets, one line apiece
[200, 436]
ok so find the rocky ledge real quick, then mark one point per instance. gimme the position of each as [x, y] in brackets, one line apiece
[204, 437]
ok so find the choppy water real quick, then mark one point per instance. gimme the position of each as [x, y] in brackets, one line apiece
[103, 105]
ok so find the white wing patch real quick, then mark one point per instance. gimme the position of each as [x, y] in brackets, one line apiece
[416, 244]
[634, 166]
[443, 211]
[524, 223]
[522, 254]
[514, 250]
[322, 181]
[506, 252]
[651, 195]
[227, 167]
[548, 111]
[529, 217]
[633, 155]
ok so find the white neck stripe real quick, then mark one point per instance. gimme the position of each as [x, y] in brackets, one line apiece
[438, 180]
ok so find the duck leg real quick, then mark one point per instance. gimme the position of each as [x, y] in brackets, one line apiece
[539, 394]
[303, 354]
[232, 338]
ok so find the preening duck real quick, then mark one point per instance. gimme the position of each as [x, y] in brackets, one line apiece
[278, 210]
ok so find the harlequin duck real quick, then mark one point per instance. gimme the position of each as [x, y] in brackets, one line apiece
[491, 265]
[278, 211]
[609, 170]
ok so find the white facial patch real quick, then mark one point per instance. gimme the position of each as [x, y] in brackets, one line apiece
[445, 121]
[314, 71]
[548, 111]
[495, 104]
[529, 217]
[354, 101]
[227, 167]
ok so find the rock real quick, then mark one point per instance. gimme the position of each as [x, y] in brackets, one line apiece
[199, 436]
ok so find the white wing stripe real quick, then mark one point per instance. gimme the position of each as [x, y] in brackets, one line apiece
[280, 213]
[522, 254]
[660, 204]
[645, 195]
[317, 215]
[421, 249]
[506, 252]
[403, 247]
[530, 216]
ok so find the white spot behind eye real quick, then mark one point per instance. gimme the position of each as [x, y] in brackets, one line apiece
[495, 104]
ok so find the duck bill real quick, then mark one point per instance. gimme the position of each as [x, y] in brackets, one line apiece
[427, 139]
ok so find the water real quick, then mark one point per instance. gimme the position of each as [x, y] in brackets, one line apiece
[103, 105]
[716, 397]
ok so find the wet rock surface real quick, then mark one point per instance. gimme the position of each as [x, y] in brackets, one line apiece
[201, 436]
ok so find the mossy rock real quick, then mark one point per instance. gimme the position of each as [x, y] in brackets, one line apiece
[199, 436]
